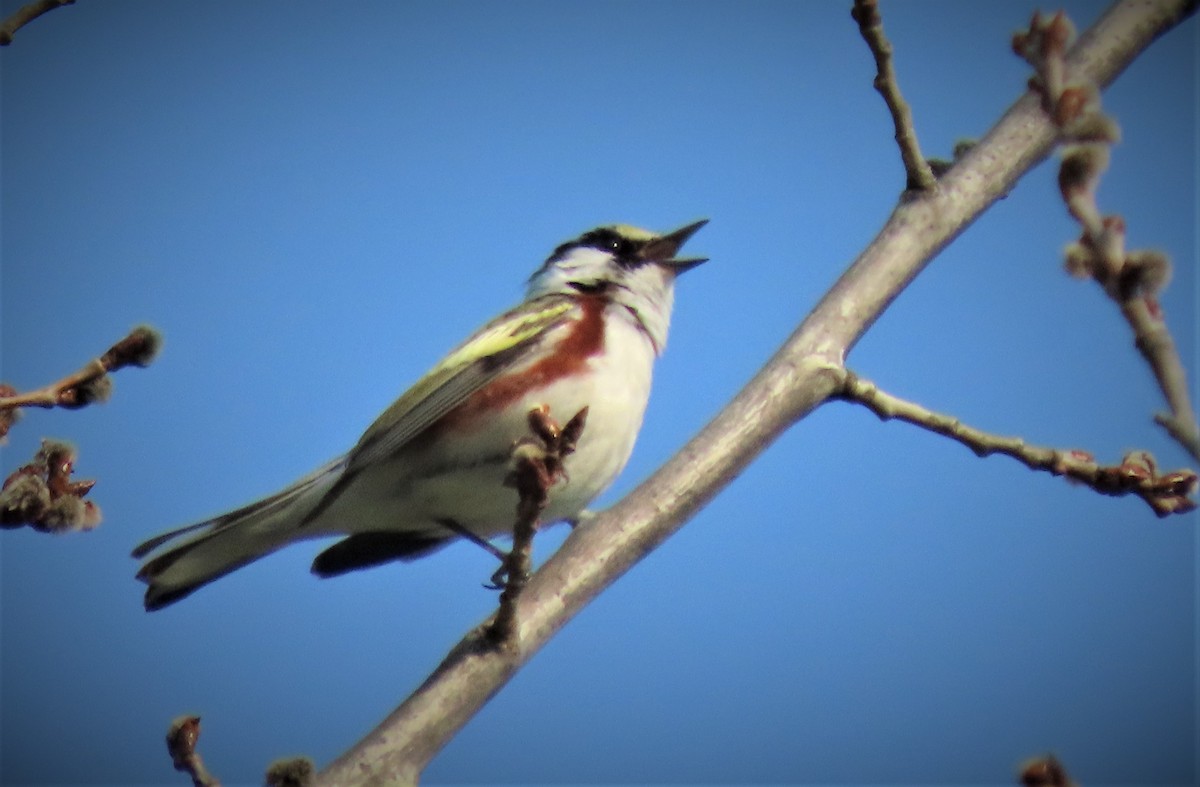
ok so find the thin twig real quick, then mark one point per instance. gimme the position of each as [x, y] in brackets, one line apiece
[538, 464]
[41, 493]
[870, 24]
[1137, 474]
[1132, 279]
[88, 384]
[1157, 346]
[26, 14]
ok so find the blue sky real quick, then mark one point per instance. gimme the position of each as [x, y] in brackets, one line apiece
[314, 202]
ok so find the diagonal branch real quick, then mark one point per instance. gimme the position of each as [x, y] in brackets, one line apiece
[1166, 493]
[804, 373]
[1156, 345]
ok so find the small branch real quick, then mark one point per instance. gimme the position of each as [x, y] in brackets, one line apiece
[870, 24]
[87, 385]
[538, 464]
[181, 744]
[1156, 345]
[42, 495]
[26, 14]
[1132, 279]
[1045, 771]
[1166, 493]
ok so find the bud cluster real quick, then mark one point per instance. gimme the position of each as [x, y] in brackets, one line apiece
[1087, 132]
[42, 495]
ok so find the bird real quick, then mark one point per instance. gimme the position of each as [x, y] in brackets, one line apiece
[431, 468]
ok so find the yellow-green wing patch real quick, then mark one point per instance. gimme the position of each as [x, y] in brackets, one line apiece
[469, 367]
[465, 370]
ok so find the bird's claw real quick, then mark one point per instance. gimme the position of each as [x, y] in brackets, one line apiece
[500, 579]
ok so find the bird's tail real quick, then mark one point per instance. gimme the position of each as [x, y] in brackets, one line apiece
[195, 555]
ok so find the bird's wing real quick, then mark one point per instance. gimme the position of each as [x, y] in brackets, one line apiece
[487, 354]
[480, 359]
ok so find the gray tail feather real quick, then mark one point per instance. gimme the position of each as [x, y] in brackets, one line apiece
[215, 547]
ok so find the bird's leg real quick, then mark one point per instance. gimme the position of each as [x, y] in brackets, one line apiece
[474, 538]
[499, 579]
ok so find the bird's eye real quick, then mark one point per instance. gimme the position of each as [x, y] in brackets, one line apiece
[622, 248]
[607, 240]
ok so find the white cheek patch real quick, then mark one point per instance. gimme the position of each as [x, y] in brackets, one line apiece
[584, 264]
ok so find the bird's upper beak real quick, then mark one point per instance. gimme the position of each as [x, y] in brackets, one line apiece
[663, 250]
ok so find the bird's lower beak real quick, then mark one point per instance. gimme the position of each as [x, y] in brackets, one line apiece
[663, 250]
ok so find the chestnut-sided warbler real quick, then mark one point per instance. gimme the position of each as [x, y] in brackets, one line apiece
[432, 466]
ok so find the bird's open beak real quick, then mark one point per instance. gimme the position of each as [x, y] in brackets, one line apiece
[663, 250]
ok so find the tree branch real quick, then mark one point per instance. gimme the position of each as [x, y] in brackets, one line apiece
[88, 384]
[26, 14]
[1166, 493]
[41, 493]
[1132, 279]
[870, 24]
[805, 372]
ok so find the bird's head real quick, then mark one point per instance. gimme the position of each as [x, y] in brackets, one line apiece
[630, 266]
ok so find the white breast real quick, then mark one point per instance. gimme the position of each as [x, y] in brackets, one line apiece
[615, 391]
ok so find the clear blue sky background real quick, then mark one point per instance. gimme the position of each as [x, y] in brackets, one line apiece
[315, 201]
